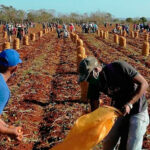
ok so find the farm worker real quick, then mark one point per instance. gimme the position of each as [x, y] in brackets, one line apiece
[72, 28]
[64, 27]
[95, 27]
[19, 33]
[9, 32]
[9, 59]
[126, 87]
[59, 30]
[66, 33]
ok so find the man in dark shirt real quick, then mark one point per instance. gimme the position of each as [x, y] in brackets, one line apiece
[126, 87]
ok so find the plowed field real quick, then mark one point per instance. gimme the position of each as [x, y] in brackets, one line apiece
[45, 97]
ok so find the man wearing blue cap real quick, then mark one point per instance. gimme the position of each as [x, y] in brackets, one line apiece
[9, 59]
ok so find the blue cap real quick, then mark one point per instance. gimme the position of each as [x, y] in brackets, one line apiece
[9, 58]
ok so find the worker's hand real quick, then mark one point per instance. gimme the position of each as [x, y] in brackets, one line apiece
[20, 137]
[11, 126]
[18, 133]
[126, 110]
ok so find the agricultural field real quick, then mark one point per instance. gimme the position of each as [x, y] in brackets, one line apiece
[45, 96]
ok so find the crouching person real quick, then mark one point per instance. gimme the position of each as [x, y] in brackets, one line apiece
[9, 59]
[126, 87]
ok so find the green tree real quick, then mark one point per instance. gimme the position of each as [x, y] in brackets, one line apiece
[130, 20]
[8, 13]
[116, 20]
[100, 17]
[143, 20]
[74, 17]
[31, 16]
[45, 16]
[21, 16]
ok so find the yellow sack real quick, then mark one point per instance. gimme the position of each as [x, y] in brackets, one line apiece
[90, 129]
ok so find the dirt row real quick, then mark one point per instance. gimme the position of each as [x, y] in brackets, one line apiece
[30, 88]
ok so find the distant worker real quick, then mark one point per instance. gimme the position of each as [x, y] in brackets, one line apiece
[64, 27]
[9, 32]
[72, 28]
[86, 28]
[66, 33]
[19, 33]
[59, 30]
[95, 27]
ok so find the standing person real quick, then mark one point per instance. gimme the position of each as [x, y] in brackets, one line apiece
[19, 33]
[127, 88]
[66, 33]
[9, 32]
[4, 27]
[83, 27]
[43, 25]
[59, 30]
[86, 28]
[64, 27]
[95, 27]
[9, 59]
[72, 28]
[25, 29]
[90, 27]
[14, 30]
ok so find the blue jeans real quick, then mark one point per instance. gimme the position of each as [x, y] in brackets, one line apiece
[130, 132]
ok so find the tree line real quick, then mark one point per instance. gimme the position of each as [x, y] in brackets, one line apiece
[8, 14]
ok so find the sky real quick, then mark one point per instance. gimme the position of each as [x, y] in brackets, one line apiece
[118, 8]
